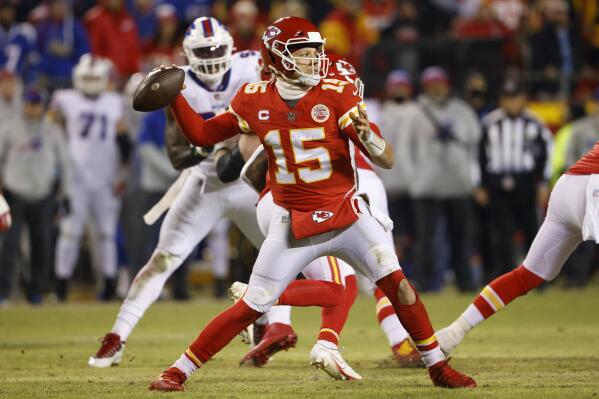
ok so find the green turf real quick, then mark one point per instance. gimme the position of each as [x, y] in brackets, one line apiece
[546, 345]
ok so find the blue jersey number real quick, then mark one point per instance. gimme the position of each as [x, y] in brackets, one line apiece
[88, 120]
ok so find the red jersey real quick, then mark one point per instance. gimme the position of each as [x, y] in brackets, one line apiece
[309, 148]
[588, 164]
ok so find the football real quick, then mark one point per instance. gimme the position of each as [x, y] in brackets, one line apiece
[158, 89]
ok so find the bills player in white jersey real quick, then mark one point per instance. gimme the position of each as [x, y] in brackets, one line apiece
[207, 194]
[199, 199]
[92, 118]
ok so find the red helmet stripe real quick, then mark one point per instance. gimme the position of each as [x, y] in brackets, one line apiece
[207, 27]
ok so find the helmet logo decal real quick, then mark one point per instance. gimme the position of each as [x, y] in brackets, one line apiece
[270, 33]
[207, 27]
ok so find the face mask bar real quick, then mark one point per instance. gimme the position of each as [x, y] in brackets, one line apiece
[319, 64]
[210, 62]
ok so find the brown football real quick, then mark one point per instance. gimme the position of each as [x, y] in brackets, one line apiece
[158, 89]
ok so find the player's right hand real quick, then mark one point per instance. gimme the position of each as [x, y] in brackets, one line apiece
[5, 217]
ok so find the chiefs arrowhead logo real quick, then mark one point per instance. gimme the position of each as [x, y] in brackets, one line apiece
[321, 216]
[270, 33]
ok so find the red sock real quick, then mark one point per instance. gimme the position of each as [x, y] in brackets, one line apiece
[311, 293]
[220, 331]
[334, 317]
[413, 317]
[384, 308]
[505, 289]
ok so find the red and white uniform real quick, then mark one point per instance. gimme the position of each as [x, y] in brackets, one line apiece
[312, 173]
[572, 217]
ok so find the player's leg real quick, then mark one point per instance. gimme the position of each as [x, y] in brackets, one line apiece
[402, 347]
[10, 246]
[105, 207]
[69, 241]
[557, 238]
[267, 283]
[187, 222]
[363, 246]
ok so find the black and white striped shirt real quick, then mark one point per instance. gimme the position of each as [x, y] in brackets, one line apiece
[515, 146]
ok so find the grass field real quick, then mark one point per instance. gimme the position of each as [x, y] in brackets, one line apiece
[545, 346]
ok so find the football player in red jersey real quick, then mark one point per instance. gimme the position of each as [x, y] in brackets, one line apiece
[333, 318]
[308, 125]
[572, 217]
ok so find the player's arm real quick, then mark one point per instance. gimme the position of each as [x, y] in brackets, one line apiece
[229, 162]
[123, 142]
[368, 137]
[203, 132]
[255, 169]
[180, 152]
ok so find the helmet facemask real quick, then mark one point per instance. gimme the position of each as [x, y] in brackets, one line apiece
[210, 62]
[310, 70]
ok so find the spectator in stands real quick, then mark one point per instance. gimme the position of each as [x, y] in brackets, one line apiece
[10, 95]
[144, 14]
[242, 25]
[394, 113]
[556, 50]
[476, 94]
[31, 153]
[481, 25]
[514, 158]
[346, 31]
[442, 139]
[62, 41]
[113, 35]
[17, 43]
[165, 47]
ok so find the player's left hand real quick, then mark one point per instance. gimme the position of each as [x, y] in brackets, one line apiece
[5, 217]
[361, 123]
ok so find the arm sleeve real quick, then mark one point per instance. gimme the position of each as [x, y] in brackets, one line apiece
[200, 132]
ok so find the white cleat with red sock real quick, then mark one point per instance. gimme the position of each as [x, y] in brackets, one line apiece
[331, 362]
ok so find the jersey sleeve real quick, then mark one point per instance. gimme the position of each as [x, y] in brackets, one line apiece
[348, 104]
[203, 132]
[238, 108]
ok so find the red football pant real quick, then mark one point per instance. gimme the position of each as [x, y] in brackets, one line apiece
[504, 289]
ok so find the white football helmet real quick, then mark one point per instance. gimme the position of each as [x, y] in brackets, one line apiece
[208, 46]
[91, 74]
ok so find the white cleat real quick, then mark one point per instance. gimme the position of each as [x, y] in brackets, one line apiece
[449, 338]
[236, 292]
[332, 363]
[109, 354]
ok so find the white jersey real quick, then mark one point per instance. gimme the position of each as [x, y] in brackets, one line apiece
[245, 67]
[91, 128]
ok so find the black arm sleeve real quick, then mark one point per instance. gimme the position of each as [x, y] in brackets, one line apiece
[125, 147]
[228, 166]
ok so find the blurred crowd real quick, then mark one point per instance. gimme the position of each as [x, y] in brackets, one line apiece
[486, 102]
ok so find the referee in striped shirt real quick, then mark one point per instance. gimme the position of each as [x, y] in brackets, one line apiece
[514, 158]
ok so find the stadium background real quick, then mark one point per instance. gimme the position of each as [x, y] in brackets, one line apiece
[479, 43]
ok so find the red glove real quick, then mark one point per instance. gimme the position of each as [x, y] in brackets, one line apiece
[5, 218]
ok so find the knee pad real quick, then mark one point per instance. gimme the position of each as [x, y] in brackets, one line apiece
[259, 298]
[383, 259]
[162, 262]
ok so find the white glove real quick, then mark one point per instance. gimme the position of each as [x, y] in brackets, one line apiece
[5, 218]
